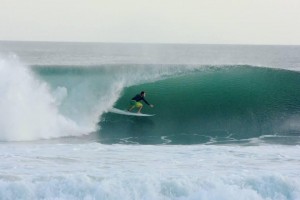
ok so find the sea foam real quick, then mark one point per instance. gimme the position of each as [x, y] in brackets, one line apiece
[97, 171]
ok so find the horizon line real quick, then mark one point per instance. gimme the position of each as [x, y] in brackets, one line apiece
[149, 43]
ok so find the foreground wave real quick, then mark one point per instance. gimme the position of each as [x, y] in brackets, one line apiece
[162, 172]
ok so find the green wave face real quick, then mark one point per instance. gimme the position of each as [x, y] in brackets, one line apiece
[211, 105]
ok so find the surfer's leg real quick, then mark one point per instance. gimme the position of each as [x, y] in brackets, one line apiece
[130, 109]
[133, 105]
[140, 109]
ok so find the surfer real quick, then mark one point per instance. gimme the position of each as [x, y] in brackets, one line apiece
[135, 102]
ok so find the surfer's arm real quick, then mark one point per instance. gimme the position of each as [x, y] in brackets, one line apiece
[147, 102]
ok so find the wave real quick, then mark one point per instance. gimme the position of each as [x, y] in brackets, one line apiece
[159, 172]
[193, 104]
[212, 104]
[141, 187]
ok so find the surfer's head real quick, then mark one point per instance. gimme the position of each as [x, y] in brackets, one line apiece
[143, 93]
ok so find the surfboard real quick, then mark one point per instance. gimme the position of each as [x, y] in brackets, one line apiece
[125, 112]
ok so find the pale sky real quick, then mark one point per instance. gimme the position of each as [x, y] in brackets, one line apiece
[152, 21]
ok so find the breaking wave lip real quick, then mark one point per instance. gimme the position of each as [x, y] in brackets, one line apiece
[30, 111]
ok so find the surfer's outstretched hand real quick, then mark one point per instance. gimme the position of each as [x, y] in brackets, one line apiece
[151, 106]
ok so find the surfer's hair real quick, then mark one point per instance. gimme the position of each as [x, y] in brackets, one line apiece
[142, 92]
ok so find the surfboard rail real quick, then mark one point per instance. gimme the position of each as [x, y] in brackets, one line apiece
[125, 112]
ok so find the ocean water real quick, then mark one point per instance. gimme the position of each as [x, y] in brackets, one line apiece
[226, 124]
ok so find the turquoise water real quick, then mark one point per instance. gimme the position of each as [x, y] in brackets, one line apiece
[226, 123]
[193, 104]
[214, 104]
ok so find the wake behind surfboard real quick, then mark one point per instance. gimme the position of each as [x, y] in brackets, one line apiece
[124, 112]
